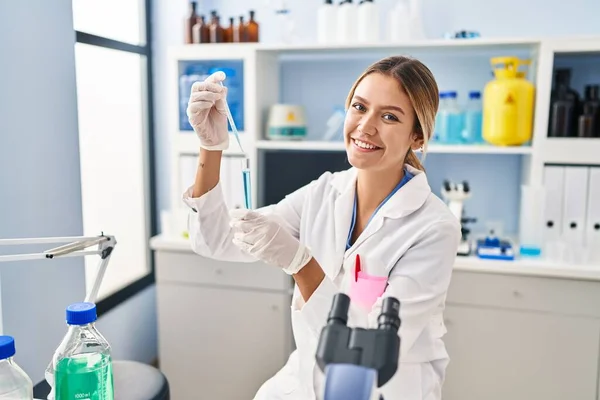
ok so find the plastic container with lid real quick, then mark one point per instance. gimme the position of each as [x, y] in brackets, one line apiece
[14, 382]
[82, 366]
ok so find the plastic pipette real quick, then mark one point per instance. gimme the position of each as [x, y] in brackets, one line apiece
[232, 123]
[245, 161]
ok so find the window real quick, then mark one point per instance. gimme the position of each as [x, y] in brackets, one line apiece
[112, 60]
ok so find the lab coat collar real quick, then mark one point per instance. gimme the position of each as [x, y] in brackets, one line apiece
[405, 201]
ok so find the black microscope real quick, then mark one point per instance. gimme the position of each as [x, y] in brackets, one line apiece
[356, 361]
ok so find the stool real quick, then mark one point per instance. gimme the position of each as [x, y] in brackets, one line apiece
[137, 381]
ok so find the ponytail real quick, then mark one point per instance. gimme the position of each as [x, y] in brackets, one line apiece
[412, 160]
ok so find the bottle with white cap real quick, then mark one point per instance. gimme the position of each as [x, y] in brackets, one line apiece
[81, 367]
[347, 21]
[327, 22]
[368, 22]
[14, 382]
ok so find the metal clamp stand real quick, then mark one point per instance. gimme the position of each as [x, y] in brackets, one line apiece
[76, 247]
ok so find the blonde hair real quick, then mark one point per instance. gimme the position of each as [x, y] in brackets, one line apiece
[417, 81]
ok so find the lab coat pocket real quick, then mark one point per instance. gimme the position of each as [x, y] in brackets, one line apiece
[365, 289]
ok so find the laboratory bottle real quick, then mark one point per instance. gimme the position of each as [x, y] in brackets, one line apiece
[216, 31]
[451, 120]
[399, 22]
[508, 102]
[589, 121]
[191, 20]
[201, 31]
[326, 22]
[473, 118]
[346, 22]
[228, 32]
[415, 22]
[440, 120]
[368, 22]
[252, 29]
[564, 106]
[239, 31]
[81, 367]
[14, 382]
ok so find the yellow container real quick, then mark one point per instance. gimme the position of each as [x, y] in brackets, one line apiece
[508, 104]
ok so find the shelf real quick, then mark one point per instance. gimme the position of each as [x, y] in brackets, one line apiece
[381, 45]
[385, 45]
[571, 151]
[434, 148]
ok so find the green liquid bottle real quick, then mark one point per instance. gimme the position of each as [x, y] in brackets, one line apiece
[82, 366]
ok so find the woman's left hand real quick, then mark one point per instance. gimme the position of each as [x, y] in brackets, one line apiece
[264, 238]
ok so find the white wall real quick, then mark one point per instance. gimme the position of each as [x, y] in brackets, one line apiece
[508, 18]
[40, 190]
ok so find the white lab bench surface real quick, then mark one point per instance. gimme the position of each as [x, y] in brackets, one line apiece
[525, 329]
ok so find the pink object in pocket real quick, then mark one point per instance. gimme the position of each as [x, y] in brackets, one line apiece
[365, 288]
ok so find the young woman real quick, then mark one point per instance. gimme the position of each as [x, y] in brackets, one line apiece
[381, 209]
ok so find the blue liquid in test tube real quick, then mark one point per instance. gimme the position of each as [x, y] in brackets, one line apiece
[247, 187]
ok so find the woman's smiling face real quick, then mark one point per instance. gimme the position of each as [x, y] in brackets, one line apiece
[378, 130]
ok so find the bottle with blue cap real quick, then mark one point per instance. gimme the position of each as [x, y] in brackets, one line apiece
[81, 367]
[449, 120]
[14, 382]
[473, 120]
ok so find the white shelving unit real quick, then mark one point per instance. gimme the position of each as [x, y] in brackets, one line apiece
[526, 308]
[262, 88]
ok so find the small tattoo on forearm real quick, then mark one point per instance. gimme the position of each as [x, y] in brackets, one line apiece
[201, 165]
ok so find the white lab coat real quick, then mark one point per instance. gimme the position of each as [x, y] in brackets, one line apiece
[413, 239]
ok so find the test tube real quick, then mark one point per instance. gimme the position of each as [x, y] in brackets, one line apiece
[247, 187]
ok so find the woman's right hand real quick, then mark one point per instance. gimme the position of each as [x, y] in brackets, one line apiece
[207, 112]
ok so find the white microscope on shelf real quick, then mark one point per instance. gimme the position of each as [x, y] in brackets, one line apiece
[455, 194]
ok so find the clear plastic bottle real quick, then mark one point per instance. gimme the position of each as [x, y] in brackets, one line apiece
[14, 382]
[440, 120]
[81, 367]
[451, 120]
[472, 132]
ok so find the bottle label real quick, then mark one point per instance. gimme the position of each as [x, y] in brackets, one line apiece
[84, 377]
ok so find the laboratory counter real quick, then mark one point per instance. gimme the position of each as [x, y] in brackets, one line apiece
[524, 266]
[519, 330]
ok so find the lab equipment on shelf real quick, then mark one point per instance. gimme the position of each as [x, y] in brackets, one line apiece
[15, 384]
[286, 122]
[449, 120]
[327, 22]
[456, 194]
[190, 21]
[399, 22]
[335, 122]
[201, 30]
[357, 361]
[347, 21]
[589, 120]
[508, 104]
[531, 220]
[564, 106]
[368, 22]
[473, 117]
[81, 367]
[494, 248]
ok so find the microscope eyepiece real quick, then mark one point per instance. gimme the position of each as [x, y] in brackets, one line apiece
[389, 318]
[339, 309]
